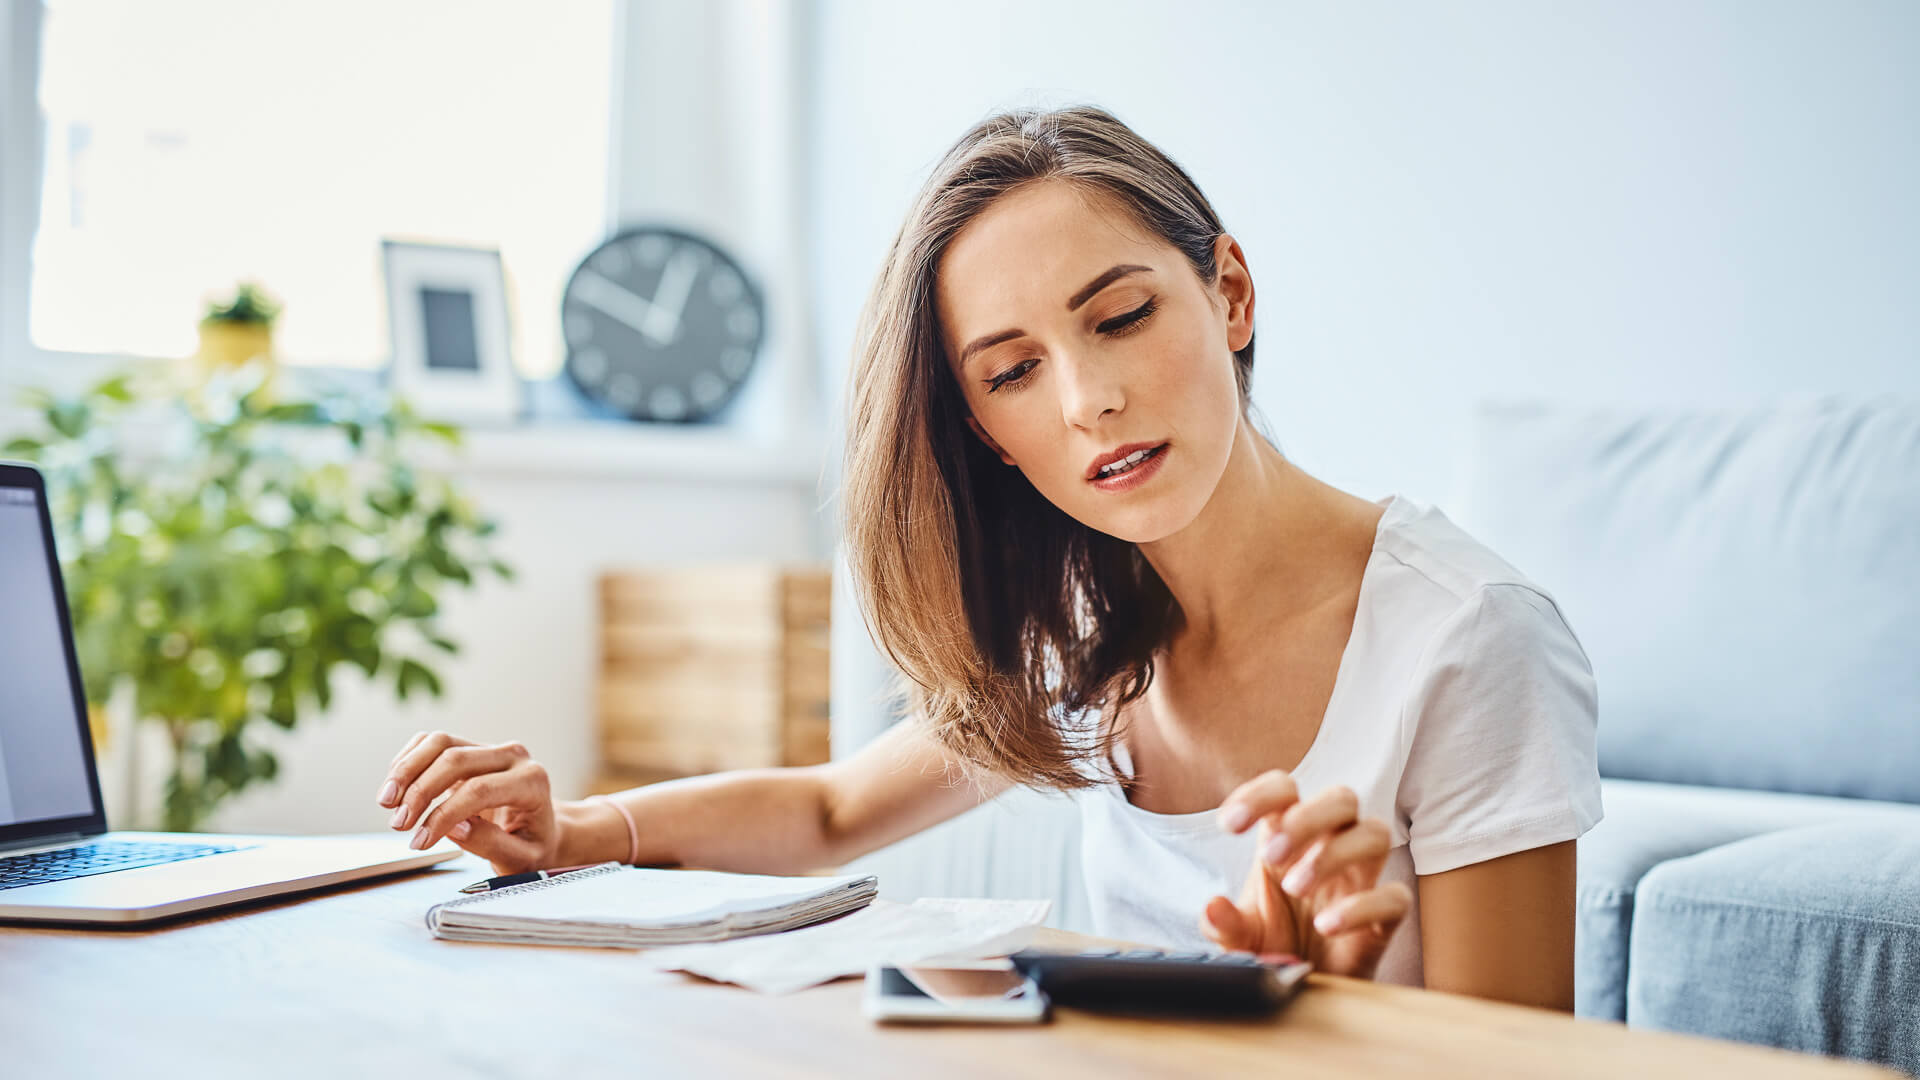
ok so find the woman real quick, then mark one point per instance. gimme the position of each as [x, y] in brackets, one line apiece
[1093, 572]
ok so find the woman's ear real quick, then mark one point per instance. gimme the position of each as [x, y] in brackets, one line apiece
[1235, 283]
[988, 439]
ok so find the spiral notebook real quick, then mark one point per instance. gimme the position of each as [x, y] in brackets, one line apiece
[620, 906]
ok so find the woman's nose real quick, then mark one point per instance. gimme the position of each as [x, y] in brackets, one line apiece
[1088, 393]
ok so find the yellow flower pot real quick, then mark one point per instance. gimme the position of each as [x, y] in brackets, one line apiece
[225, 345]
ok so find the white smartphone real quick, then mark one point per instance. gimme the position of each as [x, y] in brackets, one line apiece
[988, 993]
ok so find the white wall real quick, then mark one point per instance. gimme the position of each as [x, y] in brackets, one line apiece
[1636, 201]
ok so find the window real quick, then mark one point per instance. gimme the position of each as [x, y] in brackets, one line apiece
[197, 143]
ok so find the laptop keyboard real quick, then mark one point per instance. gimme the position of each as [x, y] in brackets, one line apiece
[102, 857]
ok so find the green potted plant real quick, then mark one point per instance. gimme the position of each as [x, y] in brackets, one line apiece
[227, 555]
[238, 330]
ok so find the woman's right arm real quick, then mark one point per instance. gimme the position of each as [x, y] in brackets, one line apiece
[768, 821]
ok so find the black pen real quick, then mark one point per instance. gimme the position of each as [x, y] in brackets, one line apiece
[493, 883]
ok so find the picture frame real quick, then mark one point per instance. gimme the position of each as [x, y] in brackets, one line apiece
[448, 327]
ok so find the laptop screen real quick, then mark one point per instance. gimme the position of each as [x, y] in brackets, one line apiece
[43, 766]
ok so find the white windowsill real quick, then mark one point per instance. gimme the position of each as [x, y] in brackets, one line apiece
[612, 449]
[604, 451]
[558, 446]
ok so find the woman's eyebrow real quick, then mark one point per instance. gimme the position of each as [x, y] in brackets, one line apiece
[1085, 294]
[1112, 275]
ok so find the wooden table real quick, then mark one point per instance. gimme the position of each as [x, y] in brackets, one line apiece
[349, 983]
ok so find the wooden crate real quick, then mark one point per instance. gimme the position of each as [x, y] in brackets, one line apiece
[710, 668]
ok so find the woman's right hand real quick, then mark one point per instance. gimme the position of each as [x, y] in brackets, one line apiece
[498, 806]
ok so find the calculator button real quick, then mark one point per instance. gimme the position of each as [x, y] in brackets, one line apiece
[1141, 954]
[1099, 954]
[1201, 956]
[1238, 959]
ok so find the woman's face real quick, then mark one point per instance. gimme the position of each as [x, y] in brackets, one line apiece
[1081, 340]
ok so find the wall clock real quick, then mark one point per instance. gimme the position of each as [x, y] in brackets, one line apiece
[660, 324]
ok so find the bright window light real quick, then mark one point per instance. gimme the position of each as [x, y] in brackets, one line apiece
[197, 143]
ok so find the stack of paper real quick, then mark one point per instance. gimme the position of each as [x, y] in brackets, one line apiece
[626, 907]
[929, 931]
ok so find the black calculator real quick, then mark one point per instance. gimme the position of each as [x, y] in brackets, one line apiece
[1153, 980]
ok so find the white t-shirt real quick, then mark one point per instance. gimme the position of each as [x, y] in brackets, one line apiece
[1463, 715]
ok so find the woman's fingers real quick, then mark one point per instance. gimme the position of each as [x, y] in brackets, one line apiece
[1362, 846]
[480, 791]
[1307, 847]
[450, 762]
[508, 853]
[412, 760]
[1303, 845]
[390, 787]
[388, 794]
[405, 750]
[1269, 793]
[1306, 822]
[1378, 909]
[1225, 925]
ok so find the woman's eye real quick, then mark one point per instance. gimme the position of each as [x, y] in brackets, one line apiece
[1126, 323]
[1122, 324]
[1013, 376]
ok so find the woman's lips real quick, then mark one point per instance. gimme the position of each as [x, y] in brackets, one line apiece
[1115, 456]
[1135, 476]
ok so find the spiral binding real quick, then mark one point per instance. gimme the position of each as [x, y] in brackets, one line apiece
[531, 886]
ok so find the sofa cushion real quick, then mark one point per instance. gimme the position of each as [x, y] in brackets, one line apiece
[1647, 824]
[1807, 939]
[1743, 582]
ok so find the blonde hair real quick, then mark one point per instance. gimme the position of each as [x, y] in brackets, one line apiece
[1010, 621]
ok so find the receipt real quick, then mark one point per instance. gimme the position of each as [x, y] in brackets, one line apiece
[929, 930]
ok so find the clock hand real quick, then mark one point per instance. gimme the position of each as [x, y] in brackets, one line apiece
[671, 297]
[622, 304]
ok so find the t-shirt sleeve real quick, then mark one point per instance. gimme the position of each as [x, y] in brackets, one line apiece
[1500, 726]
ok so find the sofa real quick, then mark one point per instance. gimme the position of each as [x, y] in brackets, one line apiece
[1746, 583]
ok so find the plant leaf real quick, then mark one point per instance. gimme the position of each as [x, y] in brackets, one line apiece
[114, 388]
[69, 418]
[414, 673]
[293, 412]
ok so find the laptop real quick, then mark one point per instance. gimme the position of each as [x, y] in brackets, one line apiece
[58, 861]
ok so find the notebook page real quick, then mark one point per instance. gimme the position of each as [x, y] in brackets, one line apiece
[651, 897]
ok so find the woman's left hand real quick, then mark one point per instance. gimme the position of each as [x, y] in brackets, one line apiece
[1313, 890]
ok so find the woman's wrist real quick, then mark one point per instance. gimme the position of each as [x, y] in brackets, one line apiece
[626, 818]
[590, 831]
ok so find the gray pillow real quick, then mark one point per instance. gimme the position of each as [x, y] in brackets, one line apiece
[1746, 582]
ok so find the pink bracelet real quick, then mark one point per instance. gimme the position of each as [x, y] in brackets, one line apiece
[633, 831]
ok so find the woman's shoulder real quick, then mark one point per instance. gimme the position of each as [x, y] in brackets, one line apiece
[1437, 574]
[1421, 537]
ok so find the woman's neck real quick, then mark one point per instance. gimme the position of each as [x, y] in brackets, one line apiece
[1271, 543]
